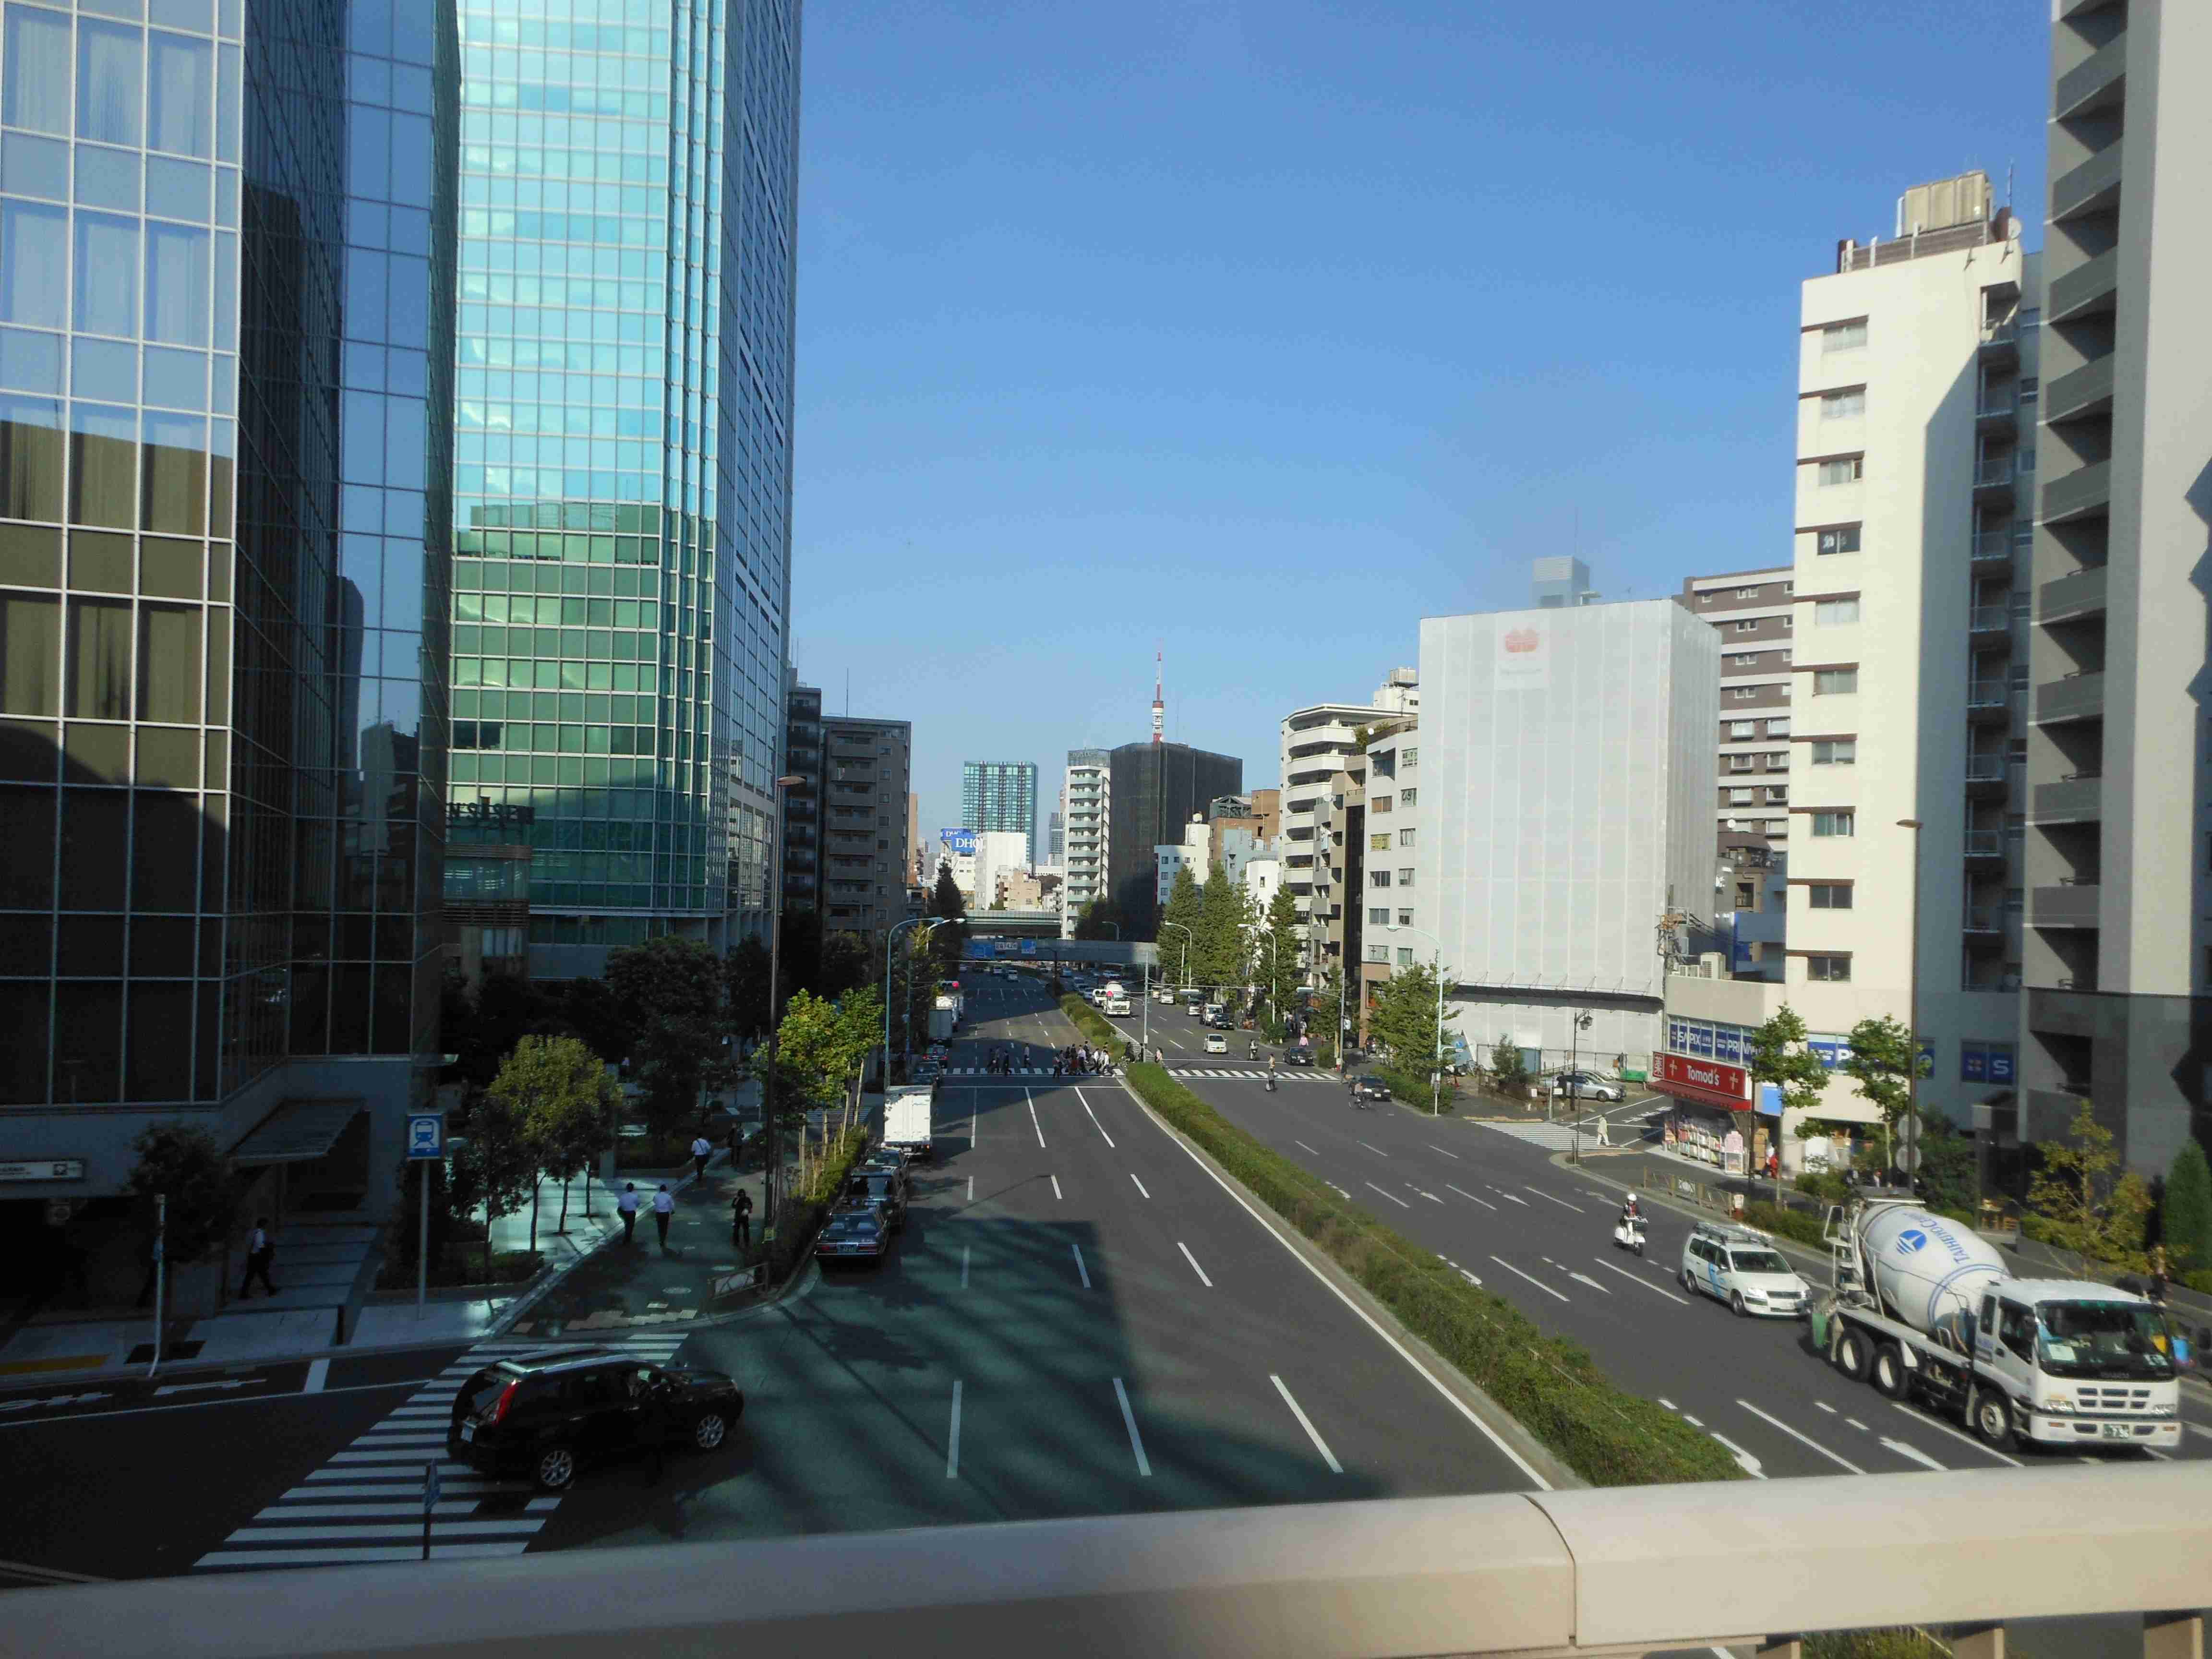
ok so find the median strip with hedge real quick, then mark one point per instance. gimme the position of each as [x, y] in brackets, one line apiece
[1092, 1023]
[1552, 1386]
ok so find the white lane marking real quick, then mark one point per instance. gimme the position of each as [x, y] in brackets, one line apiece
[1561, 1202]
[1860, 1426]
[971, 1189]
[1306, 1423]
[1914, 1454]
[1668, 1403]
[1463, 1192]
[1362, 1314]
[192, 1388]
[1373, 1148]
[1081, 1271]
[952, 1439]
[1431, 1197]
[319, 1372]
[1538, 1283]
[1694, 1422]
[1826, 1407]
[1194, 1268]
[1751, 1465]
[412, 1487]
[2196, 1430]
[1301, 1143]
[1634, 1278]
[1034, 1124]
[1807, 1440]
[1129, 1422]
[1392, 1196]
[964, 1266]
[1454, 1157]
[1941, 1427]
[971, 1126]
[1470, 1277]
[1503, 1193]
[466, 1529]
[1093, 1116]
[359, 1555]
[1585, 1278]
[1055, 1188]
[1333, 1187]
[1140, 1185]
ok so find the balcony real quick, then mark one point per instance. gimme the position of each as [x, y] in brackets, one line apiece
[1985, 918]
[2092, 187]
[1990, 552]
[2070, 800]
[2085, 290]
[2084, 493]
[1985, 775]
[1998, 408]
[2070, 599]
[1993, 477]
[2097, 83]
[2080, 393]
[2061, 1013]
[1989, 702]
[2077, 697]
[1999, 341]
[1988, 619]
[1983, 844]
[2074, 905]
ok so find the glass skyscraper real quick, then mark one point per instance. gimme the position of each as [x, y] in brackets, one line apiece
[222, 574]
[623, 453]
[1001, 795]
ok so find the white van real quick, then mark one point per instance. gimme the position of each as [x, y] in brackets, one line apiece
[1742, 1268]
[1117, 1004]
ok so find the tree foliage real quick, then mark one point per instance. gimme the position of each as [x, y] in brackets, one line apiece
[1507, 1069]
[1404, 1019]
[2185, 1222]
[2085, 1202]
[1218, 954]
[1947, 1165]
[671, 991]
[1884, 1061]
[1778, 1055]
[745, 990]
[183, 1164]
[1100, 919]
[495, 1166]
[1276, 947]
[559, 1094]
[1185, 902]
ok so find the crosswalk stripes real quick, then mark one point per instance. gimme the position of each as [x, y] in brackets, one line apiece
[365, 1503]
[1248, 1076]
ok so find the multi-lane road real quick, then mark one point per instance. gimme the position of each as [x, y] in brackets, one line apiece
[1079, 1318]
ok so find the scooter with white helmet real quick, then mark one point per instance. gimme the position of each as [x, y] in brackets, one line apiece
[1628, 1232]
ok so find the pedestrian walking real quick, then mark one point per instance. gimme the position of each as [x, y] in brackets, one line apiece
[741, 1220]
[701, 1150]
[664, 1206]
[2158, 1272]
[627, 1204]
[259, 1253]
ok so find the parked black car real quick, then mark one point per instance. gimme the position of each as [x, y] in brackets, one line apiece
[1297, 1056]
[1369, 1088]
[884, 1188]
[857, 1234]
[546, 1415]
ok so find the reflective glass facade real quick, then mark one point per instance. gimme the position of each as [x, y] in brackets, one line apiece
[623, 478]
[215, 485]
[1000, 795]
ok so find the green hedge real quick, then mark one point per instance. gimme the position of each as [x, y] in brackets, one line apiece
[1793, 1224]
[1608, 1437]
[799, 1217]
[1093, 1024]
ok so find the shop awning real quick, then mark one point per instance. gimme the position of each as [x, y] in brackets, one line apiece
[297, 1132]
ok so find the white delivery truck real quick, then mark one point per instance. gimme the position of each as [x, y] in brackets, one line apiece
[1925, 1306]
[909, 1114]
[1117, 1004]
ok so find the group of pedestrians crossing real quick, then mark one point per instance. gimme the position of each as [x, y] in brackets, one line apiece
[1000, 1062]
[1081, 1060]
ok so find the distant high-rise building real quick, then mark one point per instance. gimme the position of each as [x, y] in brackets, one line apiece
[1559, 582]
[622, 454]
[1157, 787]
[1089, 792]
[867, 765]
[1056, 837]
[1001, 795]
[1754, 611]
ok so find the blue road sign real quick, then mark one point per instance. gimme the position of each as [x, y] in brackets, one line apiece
[426, 1135]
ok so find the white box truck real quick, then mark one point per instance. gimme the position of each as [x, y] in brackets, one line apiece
[1924, 1307]
[909, 1114]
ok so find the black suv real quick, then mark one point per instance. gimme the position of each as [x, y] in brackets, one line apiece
[542, 1415]
[884, 1188]
[1298, 1057]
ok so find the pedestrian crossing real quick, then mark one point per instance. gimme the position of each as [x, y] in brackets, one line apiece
[365, 1503]
[1248, 1074]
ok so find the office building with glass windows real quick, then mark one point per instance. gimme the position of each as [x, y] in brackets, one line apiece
[1001, 795]
[623, 457]
[222, 571]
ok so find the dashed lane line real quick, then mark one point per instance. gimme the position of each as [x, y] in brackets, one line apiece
[1463, 1192]
[1538, 1283]
[1561, 1202]
[1635, 1278]
[1392, 1196]
[1194, 1268]
[1129, 1422]
[1803, 1439]
[1306, 1423]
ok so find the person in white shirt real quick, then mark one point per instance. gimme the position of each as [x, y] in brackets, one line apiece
[259, 1253]
[664, 1206]
[701, 1150]
[627, 1204]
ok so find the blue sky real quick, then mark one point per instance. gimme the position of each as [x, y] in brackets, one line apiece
[1255, 332]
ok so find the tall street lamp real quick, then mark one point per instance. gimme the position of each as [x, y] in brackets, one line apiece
[772, 1145]
[1184, 977]
[1575, 1027]
[1436, 1060]
[908, 1021]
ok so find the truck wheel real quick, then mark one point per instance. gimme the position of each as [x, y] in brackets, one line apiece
[1992, 1417]
[1890, 1375]
[1854, 1354]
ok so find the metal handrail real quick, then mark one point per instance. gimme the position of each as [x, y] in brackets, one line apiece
[1529, 1573]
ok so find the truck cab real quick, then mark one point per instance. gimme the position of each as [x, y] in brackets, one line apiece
[2082, 1364]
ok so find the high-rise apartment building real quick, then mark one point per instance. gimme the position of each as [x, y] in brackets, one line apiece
[623, 459]
[802, 801]
[225, 261]
[1754, 612]
[1157, 787]
[1315, 742]
[2117, 958]
[1089, 792]
[868, 770]
[1915, 468]
[1001, 795]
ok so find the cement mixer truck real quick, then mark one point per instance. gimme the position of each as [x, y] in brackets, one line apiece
[1924, 1307]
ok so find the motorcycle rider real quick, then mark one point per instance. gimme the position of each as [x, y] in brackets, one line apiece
[1632, 1213]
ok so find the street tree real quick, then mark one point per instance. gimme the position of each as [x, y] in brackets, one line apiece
[1279, 949]
[917, 991]
[859, 1029]
[1404, 1019]
[495, 1164]
[847, 962]
[1778, 1055]
[1101, 918]
[1884, 1061]
[588, 1008]
[559, 1092]
[182, 1163]
[745, 990]
[672, 990]
[2085, 1200]
[1216, 955]
[1182, 910]
[2185, 1222]
[1507, 1069]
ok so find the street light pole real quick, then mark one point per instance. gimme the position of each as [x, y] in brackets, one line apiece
[1575, 1027]
[772, 1142]
[1912, 1017]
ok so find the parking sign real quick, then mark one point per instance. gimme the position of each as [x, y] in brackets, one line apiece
[426, 1135]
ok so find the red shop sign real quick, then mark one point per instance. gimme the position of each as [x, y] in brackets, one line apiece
[1704, 1080]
